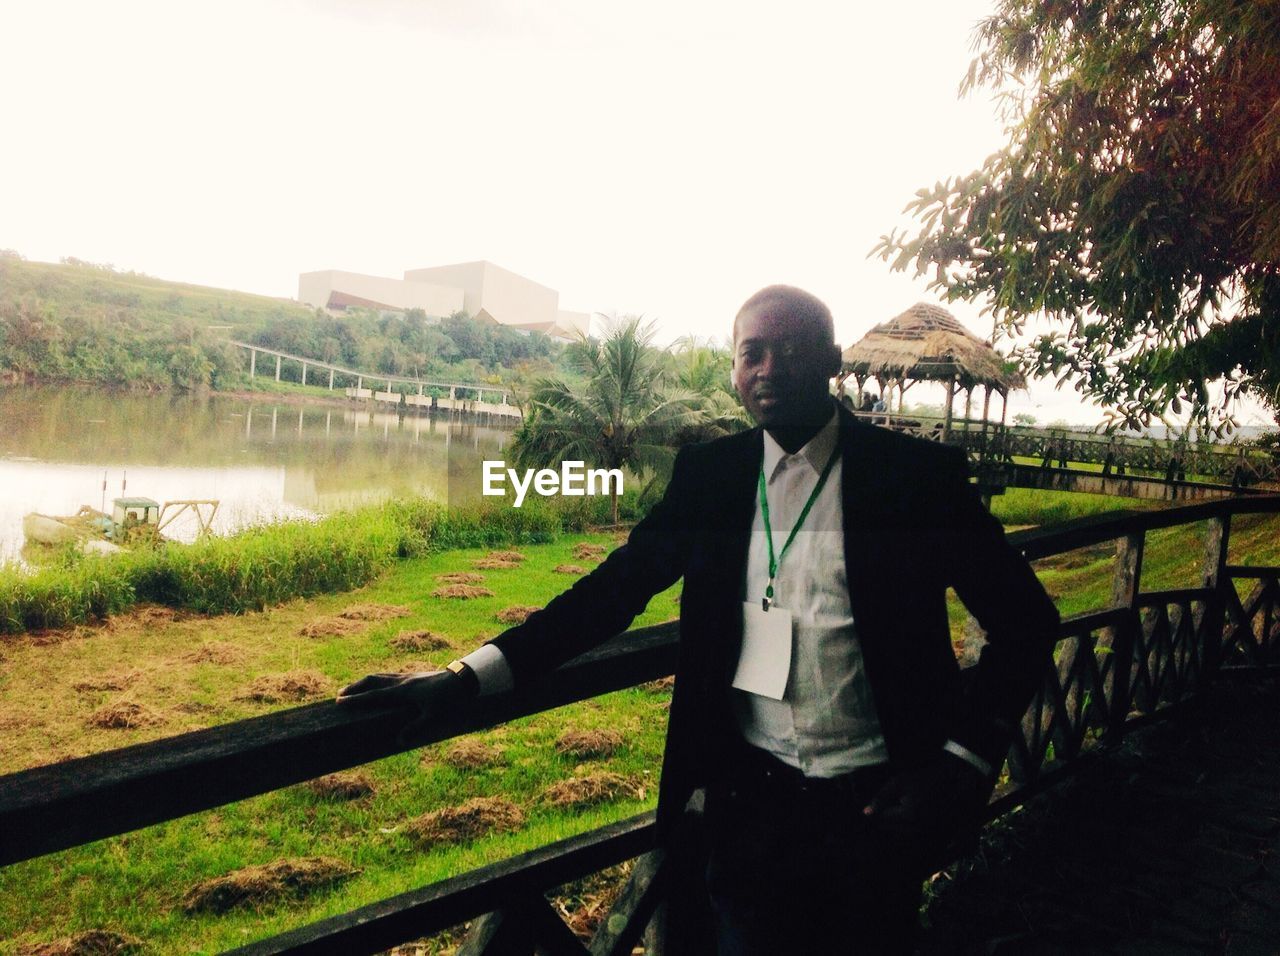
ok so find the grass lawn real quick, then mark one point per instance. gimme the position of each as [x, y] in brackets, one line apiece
[1017, 507]
[190, 672]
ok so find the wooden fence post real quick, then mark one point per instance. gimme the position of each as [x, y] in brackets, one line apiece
[634, 910]
[1217, 539]
[1125, 587]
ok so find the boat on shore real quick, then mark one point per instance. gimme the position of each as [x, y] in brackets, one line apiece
[88, 530]
[132, 522]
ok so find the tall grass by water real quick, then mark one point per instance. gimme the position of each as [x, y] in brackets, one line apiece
[263, 566]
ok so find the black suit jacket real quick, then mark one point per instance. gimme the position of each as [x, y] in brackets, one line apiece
[913, 526]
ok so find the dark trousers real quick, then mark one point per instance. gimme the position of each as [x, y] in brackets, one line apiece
[796, 869]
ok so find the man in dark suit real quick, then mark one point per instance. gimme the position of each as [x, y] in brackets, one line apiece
[818, 701]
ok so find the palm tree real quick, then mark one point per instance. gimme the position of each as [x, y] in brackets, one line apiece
[623, 417]
[702, 366]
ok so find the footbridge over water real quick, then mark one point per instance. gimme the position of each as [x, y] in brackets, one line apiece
[1150, 654]
[472, 400]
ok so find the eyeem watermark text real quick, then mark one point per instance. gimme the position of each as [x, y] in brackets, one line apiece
[573, 478]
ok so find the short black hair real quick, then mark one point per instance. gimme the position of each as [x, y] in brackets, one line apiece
[797, 300]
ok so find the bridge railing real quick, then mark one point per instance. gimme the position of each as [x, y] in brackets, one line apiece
[1131, 661]
[1171, 459]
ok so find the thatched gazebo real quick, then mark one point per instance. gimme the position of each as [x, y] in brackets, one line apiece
[927, 344]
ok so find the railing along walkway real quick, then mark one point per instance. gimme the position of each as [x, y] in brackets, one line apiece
[1128, 466]
[1146, 654]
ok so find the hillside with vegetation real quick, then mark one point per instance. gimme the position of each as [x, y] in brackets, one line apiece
[87, 323]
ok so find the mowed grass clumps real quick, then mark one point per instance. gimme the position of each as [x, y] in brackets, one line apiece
[118, 680]
[331, 627]
[494, 564]
[215, 652]
[476, 817]
[586, 791]
[517, 613]
[93, 942]
[125, 715]
[283, 879]
[421, 641]
[295, 686]
[349, 785]
[461, 592]
[589, 744]
[511, 557]
[352, 620]
[471, 753]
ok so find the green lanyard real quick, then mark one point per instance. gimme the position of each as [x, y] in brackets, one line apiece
[768, 528]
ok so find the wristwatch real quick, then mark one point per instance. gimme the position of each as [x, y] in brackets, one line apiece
[469, 677]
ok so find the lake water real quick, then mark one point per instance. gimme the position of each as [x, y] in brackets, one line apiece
[263, 459]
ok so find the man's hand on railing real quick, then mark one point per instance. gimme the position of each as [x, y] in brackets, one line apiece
[431, 693]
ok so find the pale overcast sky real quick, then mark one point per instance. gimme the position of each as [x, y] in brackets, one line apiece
[665, 158]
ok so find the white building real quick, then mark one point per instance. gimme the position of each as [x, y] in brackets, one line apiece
[484, 290]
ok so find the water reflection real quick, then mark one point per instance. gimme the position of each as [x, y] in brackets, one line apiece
[264, 460]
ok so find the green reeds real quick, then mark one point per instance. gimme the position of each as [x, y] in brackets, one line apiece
[61, 596]
[266, 565]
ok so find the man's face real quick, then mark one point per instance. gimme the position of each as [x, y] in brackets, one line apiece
[783, 360]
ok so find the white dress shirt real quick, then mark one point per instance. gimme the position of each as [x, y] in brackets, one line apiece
[826, 723]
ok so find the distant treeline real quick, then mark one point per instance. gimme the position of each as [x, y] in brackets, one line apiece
[85, 322]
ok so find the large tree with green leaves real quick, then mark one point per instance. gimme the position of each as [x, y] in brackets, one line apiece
[1136, 206]
[628, 414]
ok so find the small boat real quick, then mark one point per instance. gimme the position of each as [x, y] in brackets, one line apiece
[88, 529]
[46, 529]
[132, 522]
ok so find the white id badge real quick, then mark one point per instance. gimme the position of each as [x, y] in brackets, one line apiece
[765, 661]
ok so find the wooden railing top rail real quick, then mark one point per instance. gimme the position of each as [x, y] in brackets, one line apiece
[1037, 543]
[960, 424]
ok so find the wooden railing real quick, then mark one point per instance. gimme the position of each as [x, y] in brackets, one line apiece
[1233, 466]
[1169, 459]
[1130, 662]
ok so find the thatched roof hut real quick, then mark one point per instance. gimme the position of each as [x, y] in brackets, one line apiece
[927, 343]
